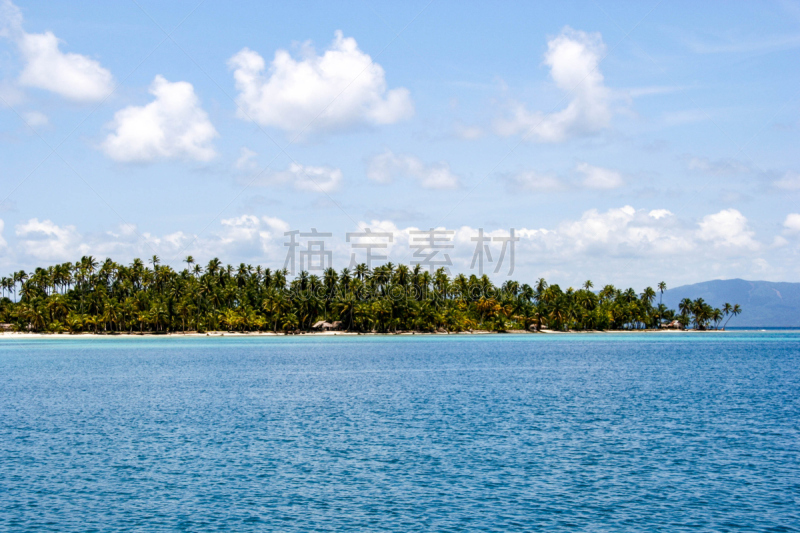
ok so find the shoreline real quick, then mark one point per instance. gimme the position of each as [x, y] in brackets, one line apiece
[23, 335]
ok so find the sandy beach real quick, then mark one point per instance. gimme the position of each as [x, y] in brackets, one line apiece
[21, 335]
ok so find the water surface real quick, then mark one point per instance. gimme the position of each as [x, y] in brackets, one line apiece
[653, 432]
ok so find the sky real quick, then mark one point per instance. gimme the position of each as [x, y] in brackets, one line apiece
[626, 143]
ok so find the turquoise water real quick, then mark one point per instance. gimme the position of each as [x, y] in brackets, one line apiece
[628, 432]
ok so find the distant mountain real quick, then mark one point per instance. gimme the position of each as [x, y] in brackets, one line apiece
[764, 303]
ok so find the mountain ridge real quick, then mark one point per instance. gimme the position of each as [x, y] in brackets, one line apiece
[764, 303]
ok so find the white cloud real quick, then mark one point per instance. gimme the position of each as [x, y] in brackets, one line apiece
[792, 223]
[622, 231]
[341, 88]
[46, 241]
[70, 75]
[386, 167]
[303, 178]
[246, 237]
[532, 181]
[599, 178]
[174, 125]
[660, 213]
[573, 58]
[308, 178]
[727, 229]
[620, 245]
[2, 240]
[789, 182]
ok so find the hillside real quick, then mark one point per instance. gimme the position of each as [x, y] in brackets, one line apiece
[765, 303]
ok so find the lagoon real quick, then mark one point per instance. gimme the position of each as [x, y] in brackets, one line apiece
[605, 432]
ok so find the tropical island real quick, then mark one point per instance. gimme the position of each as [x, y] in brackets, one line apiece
[112, 298]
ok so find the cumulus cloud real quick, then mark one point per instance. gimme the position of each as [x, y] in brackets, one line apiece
[339, 89]
[47, 241]
[653, 242]
[174, 125]
[73, 76]
[247, 237]
[727, 229]
[621, 231]
[2, 240]
[573, 58]
[386, 167]
[624, 244]
[599, 178]
[660, 213]
[310, 178]
[792, 223]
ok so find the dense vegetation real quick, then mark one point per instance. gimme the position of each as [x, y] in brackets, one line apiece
[110, 297]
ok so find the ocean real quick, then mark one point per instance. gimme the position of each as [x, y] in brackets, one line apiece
[591, 432]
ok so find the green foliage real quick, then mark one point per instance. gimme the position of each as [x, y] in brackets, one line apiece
[91, 297]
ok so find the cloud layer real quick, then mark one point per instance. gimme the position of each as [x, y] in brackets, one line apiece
[339, 89]
[638, 245]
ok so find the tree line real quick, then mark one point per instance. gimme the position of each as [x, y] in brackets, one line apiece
[107, 297]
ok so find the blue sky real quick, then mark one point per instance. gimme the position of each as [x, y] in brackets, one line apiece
[626, 143]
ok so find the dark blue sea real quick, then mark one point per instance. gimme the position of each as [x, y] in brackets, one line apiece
[606, 432]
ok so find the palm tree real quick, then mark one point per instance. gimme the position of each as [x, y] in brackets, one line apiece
[662, 286]
[716, 317]
[685, 307]
[732, 311]
[154, 298]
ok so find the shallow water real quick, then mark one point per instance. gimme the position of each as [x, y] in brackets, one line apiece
[601, 432]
